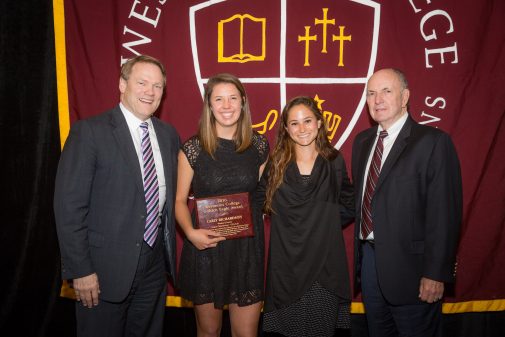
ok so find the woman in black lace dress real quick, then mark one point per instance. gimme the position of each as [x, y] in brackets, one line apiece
[225, 157]
[309, 197]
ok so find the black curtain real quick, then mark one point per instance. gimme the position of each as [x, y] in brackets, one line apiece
[30, 151]
[30, 146]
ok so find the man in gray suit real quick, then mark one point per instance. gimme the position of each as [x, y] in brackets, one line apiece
[113, 202]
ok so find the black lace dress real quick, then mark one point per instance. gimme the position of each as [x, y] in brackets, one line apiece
[232, 272]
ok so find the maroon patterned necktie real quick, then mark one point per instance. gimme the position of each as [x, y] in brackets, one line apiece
[371, 181]
[150, 187]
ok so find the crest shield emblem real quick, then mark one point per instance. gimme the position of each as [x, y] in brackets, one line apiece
[282, 49]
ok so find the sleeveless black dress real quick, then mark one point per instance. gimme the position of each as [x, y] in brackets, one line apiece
[233, 271]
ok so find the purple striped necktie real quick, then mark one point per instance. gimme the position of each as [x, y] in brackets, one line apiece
[371, 181]
[150, 187]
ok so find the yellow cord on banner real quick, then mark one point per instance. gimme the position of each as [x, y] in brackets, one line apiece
[61, 69]
[61, 81]
[474, 306]
[356, 307]
[452, 308]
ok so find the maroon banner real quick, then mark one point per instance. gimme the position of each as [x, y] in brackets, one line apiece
[451, 51]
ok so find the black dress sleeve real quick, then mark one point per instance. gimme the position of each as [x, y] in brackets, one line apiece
[192, 149]
[260, 192]
[260, 142]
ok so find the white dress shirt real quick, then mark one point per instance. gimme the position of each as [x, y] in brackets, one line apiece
[136, 133]
[388, 142]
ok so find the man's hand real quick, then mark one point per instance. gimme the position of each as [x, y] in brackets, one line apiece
[430, 291]
[87, 290]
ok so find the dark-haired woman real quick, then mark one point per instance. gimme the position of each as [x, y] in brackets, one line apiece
[309, 197]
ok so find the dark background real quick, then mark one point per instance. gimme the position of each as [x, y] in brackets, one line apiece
[29, 297]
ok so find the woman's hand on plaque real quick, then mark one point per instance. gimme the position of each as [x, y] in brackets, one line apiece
[205, 238]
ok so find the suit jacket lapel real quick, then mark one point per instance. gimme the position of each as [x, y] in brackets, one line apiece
[125, 144]
[398, 147]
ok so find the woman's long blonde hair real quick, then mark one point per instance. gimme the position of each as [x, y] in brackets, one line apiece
[284, 149]
[207, 133]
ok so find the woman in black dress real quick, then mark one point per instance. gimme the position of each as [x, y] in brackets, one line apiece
[309, 198]
[225, 157]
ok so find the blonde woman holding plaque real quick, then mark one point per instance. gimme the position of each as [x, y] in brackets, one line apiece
[225, 157]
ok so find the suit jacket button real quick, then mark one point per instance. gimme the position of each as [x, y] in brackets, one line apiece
[137, 244]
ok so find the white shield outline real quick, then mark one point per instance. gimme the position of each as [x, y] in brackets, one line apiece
[282, 80]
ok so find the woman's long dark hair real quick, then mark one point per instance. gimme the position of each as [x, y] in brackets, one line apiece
[284, 149]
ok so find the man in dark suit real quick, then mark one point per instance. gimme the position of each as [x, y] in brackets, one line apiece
[114, 207]
[409, 207]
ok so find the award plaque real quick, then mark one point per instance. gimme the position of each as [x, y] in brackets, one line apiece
[229, 215]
